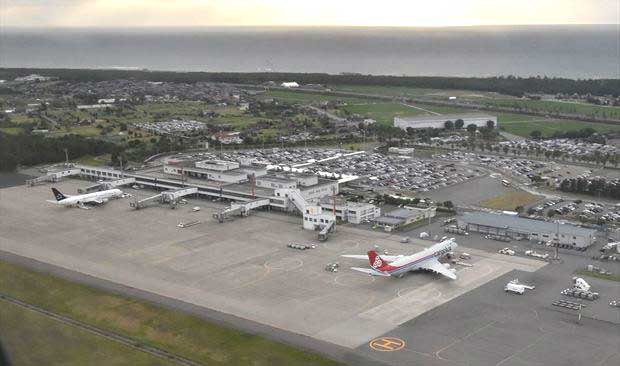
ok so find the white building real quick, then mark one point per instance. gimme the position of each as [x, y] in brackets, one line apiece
[477, 119]
[290, 84]
[401, 150]
[566, 235]
[227, 138]
[353, 212]
[404, 216]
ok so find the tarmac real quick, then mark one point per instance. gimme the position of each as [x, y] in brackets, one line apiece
[242, 268]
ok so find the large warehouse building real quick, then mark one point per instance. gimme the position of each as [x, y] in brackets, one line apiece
[439, 121]
[515, 227]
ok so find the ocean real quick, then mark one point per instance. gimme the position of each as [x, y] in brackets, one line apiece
[555, 51]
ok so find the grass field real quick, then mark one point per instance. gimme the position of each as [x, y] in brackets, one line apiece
[21, 118]
[487, 98]
[510, 200]
[551, 106]
[171, 330]
[303, 97]
[93, 161]
[524, 127]
[412, 91]
[12, 130]
[383, 112]
[32, 339]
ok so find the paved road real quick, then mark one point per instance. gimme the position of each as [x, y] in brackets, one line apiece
[328, 114]
[511, 136]
[421, 109]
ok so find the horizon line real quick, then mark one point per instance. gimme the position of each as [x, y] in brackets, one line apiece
[302, 26]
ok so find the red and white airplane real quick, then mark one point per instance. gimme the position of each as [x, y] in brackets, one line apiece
[398, 265]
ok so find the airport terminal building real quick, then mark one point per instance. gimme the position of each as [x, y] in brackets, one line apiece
[439, 121]
[567, 235]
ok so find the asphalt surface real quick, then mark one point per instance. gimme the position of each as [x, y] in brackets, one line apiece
[338, 353]
[240, 274]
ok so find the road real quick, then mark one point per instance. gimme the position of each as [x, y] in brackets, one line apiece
[327, 114]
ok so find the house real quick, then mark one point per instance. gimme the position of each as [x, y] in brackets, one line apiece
[228, 138]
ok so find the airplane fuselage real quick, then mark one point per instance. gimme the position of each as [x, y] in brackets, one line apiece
[411, 262]
[90, 197]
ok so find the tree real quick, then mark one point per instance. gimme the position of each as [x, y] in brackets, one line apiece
[550, 213]
[490, 124]
[472, 128]
[459, 123]
[536, 135]
[531, 211]
[448, 205]
[448, 125]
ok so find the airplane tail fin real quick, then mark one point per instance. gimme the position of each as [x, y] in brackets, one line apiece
[59, 196]
[375, 259]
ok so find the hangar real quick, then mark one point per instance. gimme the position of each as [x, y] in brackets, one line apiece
[439, 121]
[566, 235]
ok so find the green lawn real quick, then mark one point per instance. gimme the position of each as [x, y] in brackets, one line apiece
[305, 97]
[412, 91]
[548, 127]
[551, 106]
[12, 130]
[32, 339]
[382, 112]
[21, 118]
[92, 161]
[174, 331]
[487, 98]
[510, 200]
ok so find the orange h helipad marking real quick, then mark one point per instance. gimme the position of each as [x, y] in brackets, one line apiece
[387, 344]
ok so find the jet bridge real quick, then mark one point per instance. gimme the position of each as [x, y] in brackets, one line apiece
[171, 197]
[323, 234]
[240, 209]
[145, 202]
[54, 176]
[314, 216]
[102, 186]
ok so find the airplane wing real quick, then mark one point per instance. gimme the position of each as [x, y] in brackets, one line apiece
[52, 201]
[434, 265]
[370, 271]
[355, 256]
[96, 201]
[387, 258]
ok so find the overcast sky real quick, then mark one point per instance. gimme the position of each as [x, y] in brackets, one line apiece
[113, 13]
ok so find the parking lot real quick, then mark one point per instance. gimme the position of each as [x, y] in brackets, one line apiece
[242, 267]
[577, 210]
[374, 171]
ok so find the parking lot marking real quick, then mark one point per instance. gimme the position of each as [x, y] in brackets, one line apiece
[387, 344]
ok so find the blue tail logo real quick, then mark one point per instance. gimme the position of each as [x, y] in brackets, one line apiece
[59, 196]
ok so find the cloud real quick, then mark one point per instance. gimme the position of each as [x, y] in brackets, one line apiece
[111, 13]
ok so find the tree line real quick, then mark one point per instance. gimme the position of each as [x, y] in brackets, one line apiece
[29, 149]
[597, 186]
[510, 85]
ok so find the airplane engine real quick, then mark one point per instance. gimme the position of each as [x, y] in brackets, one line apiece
[104, 200]
[447, 265]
